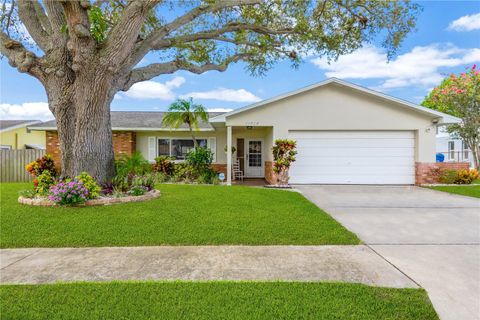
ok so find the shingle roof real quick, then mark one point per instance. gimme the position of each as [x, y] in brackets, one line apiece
[6, 124]
[143, 120]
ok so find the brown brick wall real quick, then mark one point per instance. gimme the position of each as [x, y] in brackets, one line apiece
[124, 143]
[53, 147]
[425, 172]
[269, 174]
[219, 167]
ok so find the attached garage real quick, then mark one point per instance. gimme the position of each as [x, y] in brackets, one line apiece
[354, 157]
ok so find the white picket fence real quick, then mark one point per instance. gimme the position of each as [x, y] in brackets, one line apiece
[12, 164]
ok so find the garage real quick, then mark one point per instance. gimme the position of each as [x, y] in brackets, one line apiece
[354, 157]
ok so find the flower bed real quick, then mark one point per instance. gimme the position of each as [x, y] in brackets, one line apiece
[42, 201]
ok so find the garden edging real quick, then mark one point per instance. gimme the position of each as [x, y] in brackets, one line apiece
[94, 202]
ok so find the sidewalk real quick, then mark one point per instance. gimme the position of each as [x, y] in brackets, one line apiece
[300, 263]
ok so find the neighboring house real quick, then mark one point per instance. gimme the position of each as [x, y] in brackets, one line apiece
[346, 134]
[14, 135]
[452, 147]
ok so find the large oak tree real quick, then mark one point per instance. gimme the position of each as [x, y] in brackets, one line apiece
[84, 52]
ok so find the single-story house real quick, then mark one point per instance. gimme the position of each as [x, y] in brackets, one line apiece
[452, 147]
[345, 133]
[15, 135]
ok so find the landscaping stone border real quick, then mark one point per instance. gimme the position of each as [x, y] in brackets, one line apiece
[95, 202]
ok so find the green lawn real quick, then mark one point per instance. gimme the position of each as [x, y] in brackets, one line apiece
[464, 191]
[213, 300]
[183, 215]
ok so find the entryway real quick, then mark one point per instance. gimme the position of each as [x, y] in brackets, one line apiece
[251, 157]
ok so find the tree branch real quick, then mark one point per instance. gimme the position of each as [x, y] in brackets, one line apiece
[19, 57]
[156, 69]
[42, 17]
[28, 15]
[158, 35]
[124, 34]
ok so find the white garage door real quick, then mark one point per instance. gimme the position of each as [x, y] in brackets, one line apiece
[354, 157]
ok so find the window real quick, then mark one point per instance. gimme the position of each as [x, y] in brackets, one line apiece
[466, 151]
[179, 148]
[451, 150]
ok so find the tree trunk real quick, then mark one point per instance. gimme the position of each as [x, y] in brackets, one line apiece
[93, 150]
[60, 102]
[195, 143]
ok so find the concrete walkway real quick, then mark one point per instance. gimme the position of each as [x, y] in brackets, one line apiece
[302, 263]
[431, 236]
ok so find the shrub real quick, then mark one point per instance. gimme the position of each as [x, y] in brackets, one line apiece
[135, 164]
[107, 188]
[447, 176]
[68, 193]
[147, 181]
[466, 176]
[164, 164]
[184, 171]
[160, 177]
[137, 191]
[207, 176]
[458, 177]
[37, 167]
[43, 183]
[284, 152]
[200, 159]
[122, 183]
[89, 182]
[27, 193]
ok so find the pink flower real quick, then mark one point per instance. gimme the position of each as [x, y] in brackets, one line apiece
[474, 67]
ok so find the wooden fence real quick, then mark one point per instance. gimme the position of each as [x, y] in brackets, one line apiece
[12, 164]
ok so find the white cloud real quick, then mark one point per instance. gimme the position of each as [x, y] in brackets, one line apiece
[223, 94]
[466, 23]
[219, 110]
[155, 90]
[25, 111]
[419, 67]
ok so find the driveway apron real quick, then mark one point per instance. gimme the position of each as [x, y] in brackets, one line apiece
[431, 236]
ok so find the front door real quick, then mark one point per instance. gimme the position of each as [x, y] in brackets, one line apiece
[254, 158]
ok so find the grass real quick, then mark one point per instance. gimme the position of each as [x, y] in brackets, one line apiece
[213, 300]
[183, 215]
[471, 191]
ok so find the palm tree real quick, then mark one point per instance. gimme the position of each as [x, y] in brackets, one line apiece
[185, 112]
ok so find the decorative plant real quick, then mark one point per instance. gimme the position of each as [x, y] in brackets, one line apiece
[164, 165]
[458, 177]
[43, 182]
[135, 164]
[283, 155]
[36, 168]
[233, 149]
[185, 112]
[200, 159]
[137, 191]
[68, 193]
[89, 182]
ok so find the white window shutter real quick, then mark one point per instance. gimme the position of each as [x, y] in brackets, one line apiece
[212, 144]
[152, 148]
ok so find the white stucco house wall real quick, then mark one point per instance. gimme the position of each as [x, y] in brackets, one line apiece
[452, 147]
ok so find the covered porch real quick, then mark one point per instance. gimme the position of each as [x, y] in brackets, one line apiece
[252, 150]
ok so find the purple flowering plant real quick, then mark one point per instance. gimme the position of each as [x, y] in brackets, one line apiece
[68, 193]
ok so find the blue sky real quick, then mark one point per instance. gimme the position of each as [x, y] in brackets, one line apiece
[447, 41]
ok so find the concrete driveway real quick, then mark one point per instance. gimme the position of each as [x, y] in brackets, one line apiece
[431, 236]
